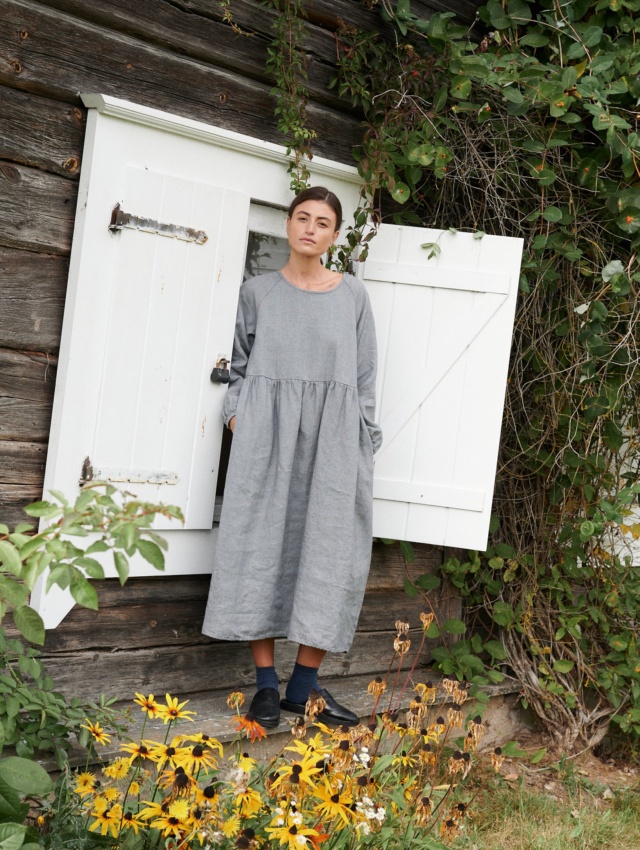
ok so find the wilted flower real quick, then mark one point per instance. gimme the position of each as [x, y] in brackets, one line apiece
[235, 699]
[448, 828]
[423, 811]
[426, 692]
[456, 763]
[401, 644]
[496, 759]
[315, 705]
[427, 619]
[449, 685]
[477, 728]
[454, 715]
[401, 627]
[377, 687]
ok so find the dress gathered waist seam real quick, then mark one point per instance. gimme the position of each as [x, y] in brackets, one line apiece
[303, 381]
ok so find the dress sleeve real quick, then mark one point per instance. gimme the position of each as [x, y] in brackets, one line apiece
[242, 345]
[367, 369]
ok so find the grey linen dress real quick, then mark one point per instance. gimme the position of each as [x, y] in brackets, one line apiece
[294, 542]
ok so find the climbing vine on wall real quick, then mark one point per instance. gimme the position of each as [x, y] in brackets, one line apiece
[526, 125]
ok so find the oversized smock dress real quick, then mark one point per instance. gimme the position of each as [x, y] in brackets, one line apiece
[294, 542]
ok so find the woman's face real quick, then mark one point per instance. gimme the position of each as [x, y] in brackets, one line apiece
[311, 230]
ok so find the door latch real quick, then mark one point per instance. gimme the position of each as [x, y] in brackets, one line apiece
[220, 374]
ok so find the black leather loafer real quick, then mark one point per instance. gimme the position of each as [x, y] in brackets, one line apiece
[333, 712]
[265, 707]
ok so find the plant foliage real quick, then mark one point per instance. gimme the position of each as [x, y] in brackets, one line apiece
[526, 125]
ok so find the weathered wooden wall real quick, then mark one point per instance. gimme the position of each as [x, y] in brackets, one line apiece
[176, 55]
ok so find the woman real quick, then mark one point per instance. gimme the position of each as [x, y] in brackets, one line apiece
[294, 544]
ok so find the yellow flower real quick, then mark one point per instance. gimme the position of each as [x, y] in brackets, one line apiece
[118, 768]
[231, 826]
[85, 784]
[131, 821]
[99, 735]
[148, 704]
[196, 758]
[248, 802]
[134, 788]
[293, 835]
[179, 781]
[138, 751]
[110, 794]
[204, 740]
[165, 754]
[333, 804]
[377, 687]
[246, 763]
[174, 710]
[107, 821]
[298, 773]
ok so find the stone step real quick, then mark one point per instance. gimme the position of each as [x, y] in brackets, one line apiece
[214, 718]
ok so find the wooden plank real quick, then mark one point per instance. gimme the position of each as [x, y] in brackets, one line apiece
[22, 463]
[201, 34]
[33, 289]
[13, 514]
[38, 209]
[193, 669]
[26, 395]
[41, 132]
[62, 56]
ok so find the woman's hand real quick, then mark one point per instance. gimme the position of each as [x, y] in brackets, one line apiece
[232, 423]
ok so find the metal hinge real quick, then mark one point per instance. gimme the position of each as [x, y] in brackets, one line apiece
[121, 220]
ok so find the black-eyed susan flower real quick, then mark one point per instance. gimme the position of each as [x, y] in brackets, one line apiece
[448, 829]
[249, 726]
[138, 751]
[177, 780]
[334, 805]
[477, 728]
[131, 821]
[118, 768]
[423, 811]
[292, 835]
[426, 692]
[174, 710]
[377, 687]
[401, 627]
[195, 758]
[204, 740]
[97, 732]
[454, 715]
[298, 774]
[402, 644]
[167, 754]
[107, 820]
[248, 802]
[456, 763]
[315, 705]
[496, 759]
[246, 763]
[449, 685]
[148, 705]
[426, 619]
[205, 796]
[86, 783]
[173, 822]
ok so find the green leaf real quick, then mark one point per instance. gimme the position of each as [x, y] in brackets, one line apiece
[83, 592]
[552, 214]
[25, 776]
[44, 509]
[495, 649]
[122, 566]
[433, 631]
[10, 557]
[92, 567]
[619, 642]
[461, 88]
[407, 551]
[12, 592]
[12, 836]
[564, 665]
[454, 627]
[410, 589]
[538, 755]
[428, 581]
[512, 750]
[401, 193]
[611, 269]
[587, 529]
[29, 623]
[152, 553]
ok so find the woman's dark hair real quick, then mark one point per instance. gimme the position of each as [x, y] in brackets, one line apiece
[318, 193]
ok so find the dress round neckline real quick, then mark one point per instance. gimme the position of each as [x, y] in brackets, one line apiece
[313, 291]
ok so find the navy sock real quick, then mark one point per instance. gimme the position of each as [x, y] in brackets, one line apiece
[266, 677]
[303, 680]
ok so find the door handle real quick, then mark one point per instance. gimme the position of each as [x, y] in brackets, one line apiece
[220, 374]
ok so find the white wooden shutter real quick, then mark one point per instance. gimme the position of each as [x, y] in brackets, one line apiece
[444, 329]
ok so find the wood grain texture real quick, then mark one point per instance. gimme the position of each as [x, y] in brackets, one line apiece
[33, 289]
[41, 132]
[26, 395]
[37, 210]
[200, 667]
[62, 56]
[22, 464]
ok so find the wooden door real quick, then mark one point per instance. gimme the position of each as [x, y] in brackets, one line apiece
[444, 327]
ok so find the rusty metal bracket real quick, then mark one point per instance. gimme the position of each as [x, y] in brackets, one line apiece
[121, 220]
